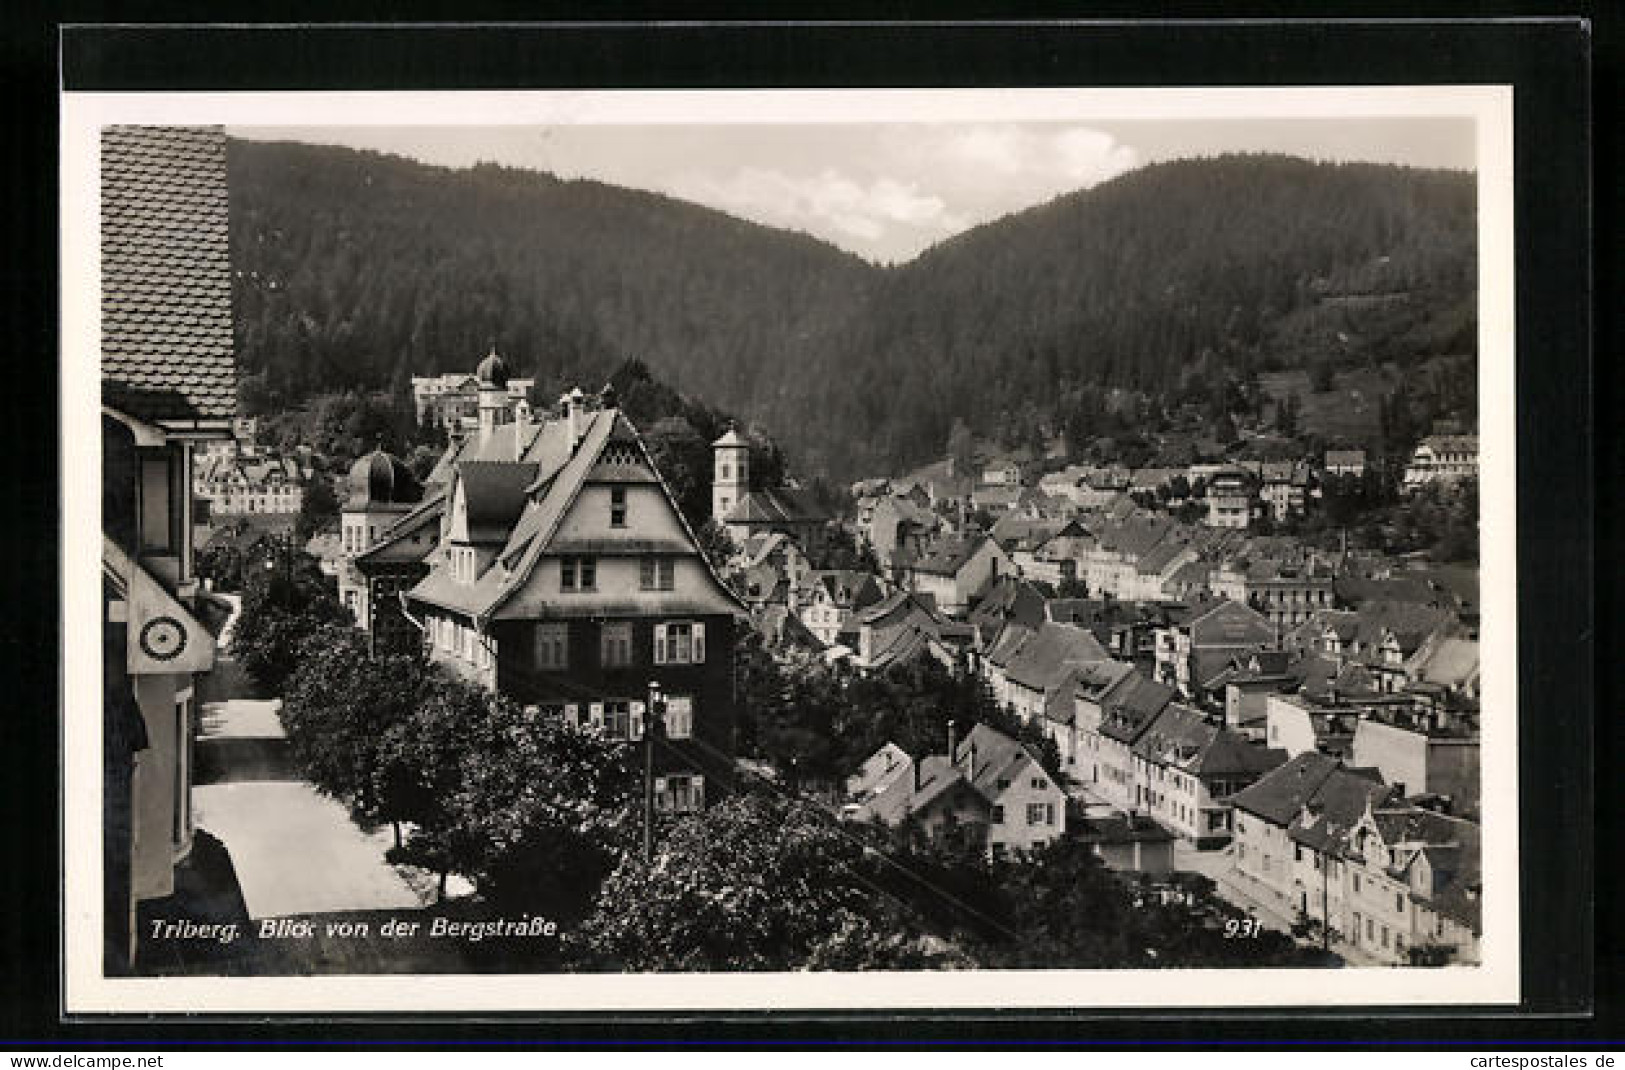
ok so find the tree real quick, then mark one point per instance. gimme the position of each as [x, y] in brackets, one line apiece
[342, 708]
[285, 600]
[542, 811]
[757, 882]
[717, 546]
[318, 508]
[683, 459]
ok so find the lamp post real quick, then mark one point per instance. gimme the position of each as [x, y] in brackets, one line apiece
[653, 722]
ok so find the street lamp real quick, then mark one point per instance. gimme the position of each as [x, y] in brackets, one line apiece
[653, 722]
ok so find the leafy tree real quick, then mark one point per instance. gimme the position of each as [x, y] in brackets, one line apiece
[683, 459]
[318, 508]
[285, 600]
[344, 710]
[755, 883]
[542, 811]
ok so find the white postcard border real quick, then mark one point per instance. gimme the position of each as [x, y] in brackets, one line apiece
[87, 991]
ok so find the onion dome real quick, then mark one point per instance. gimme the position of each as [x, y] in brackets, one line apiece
[380, 480]
[493, 372]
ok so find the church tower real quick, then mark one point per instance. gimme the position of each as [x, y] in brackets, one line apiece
[494, 411]
[731, 478]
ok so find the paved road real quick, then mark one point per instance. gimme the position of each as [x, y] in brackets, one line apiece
[294, 851]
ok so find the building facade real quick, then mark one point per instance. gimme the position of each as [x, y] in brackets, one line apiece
[566, 577]
[168, 383]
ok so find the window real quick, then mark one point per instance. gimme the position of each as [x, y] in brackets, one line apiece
[1370, 930]
[1040, 813]
[680, 643]
[997, 817]
[617, 507]
[552, 646]
[657, 573]
[1356, 883]
[578, 573]
[615, 644]
[1038, 783]
[615, 717]
[1004, 782]
[1399, 902]
[680, 793]
[679, 719]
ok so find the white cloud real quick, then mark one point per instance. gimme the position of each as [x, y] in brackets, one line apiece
[895, 190]
[868, 210]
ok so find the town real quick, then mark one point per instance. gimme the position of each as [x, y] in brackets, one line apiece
[1026, 705]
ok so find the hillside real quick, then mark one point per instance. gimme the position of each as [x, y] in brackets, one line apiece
[1175, 283]
[360, 269]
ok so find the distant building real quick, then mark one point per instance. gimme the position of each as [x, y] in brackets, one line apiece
[1443, 459]
[234, 485]
[1199, 641]
[453, 401]
[1230, 498]
[1287, 593]
[380, 491]
[830, 601]
[745, 513]
[955, 572]
[1284, 490]
[1345, 462]
[987, 791]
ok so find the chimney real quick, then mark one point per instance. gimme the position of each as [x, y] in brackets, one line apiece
[953, 742]
[521, 427]
[575, 415]
[916, 762]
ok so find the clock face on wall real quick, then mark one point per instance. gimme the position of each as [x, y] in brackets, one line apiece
[163, 638]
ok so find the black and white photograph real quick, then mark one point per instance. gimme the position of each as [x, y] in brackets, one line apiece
[683, 550]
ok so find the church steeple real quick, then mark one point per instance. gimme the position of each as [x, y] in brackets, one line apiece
[731, 480]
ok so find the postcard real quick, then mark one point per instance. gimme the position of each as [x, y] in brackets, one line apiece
[565, 551]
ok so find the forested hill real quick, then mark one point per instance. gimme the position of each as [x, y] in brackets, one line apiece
[1166, 280]
[360, 269]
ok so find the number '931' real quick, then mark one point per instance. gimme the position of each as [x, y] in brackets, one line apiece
[1236, 928]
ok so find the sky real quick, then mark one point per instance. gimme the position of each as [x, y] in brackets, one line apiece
[888, 191]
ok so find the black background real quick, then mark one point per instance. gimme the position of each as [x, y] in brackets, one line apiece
[1549, 64]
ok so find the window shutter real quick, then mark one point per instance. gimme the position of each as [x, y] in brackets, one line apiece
[699, 643]
[697, 786]
[637, 720]
[660, 644]
[679, 717]
[662, 797]
[572, 714]
[595, 715]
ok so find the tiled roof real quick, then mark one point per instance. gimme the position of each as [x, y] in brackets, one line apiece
[494, 496]
[1037, 662]
[167, 350]
[1133, 705]
[948, 557]
[777, 506]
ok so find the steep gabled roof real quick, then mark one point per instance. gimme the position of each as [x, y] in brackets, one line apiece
[947, 557]
[1133, 706]
[553, 492]
[1035, 663]
[167, 350]
[493, 496]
